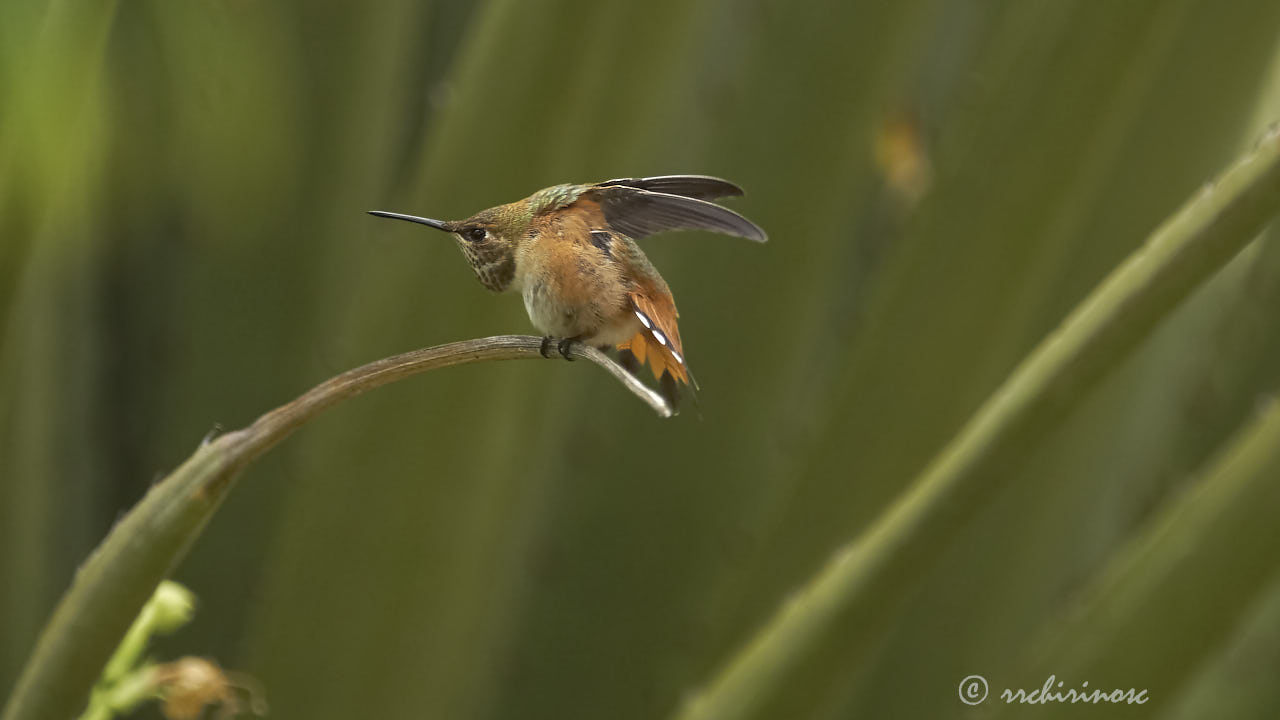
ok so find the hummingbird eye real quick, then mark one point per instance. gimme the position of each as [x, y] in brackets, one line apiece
[475, 234]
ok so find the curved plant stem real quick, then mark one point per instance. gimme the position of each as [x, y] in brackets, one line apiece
[849, 602]
[122, 572]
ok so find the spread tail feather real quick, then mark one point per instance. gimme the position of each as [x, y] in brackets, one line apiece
[657, 340]
[660, 359]
[671, 375]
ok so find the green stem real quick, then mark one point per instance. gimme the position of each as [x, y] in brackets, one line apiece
[141, 550]
[847, 604]
[126, 694]
[126, 681]
[170, 607]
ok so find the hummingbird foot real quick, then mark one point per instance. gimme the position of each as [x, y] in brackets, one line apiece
[564, 347]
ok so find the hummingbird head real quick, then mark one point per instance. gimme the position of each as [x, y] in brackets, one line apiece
[487, 239]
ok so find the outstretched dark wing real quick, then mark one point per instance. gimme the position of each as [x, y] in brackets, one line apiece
[638, 212]
[699, 187]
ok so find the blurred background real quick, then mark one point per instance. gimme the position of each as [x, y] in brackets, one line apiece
[183, 244]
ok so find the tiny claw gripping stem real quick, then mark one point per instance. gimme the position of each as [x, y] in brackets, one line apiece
[565, 346]
[545, 350]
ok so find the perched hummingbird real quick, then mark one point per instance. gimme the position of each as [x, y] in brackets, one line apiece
[570, 251]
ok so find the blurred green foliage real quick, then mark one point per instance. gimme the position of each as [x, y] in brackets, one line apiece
[182, 243]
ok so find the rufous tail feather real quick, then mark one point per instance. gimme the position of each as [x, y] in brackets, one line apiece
[660, 358]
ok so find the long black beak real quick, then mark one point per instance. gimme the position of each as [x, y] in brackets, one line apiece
[437, 224]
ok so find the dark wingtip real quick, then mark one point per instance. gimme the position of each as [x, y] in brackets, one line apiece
[731, 189]
[753, 232]
[733, 223]
[713, 187]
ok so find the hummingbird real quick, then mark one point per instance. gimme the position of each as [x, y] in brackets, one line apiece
[570, 251]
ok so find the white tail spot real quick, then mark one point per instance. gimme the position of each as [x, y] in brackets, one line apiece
[676, 355]
[644, 320]
[662, 339]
